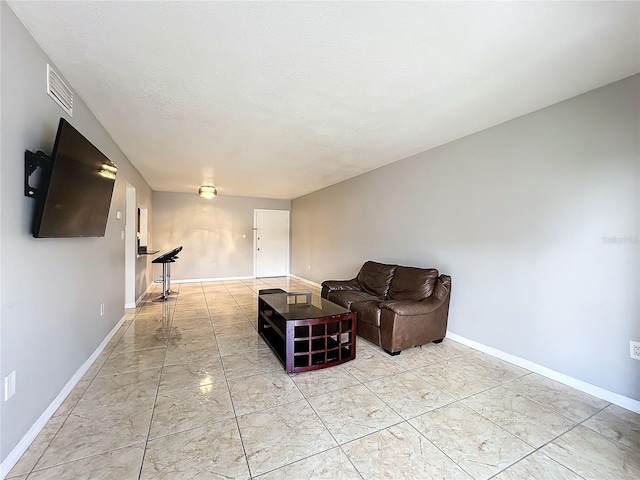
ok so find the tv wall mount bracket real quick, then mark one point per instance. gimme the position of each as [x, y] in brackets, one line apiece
[33, 161]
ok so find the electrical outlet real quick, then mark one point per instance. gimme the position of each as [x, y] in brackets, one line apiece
[635, 349]
[9, 385]
[309, 267]
[214, 264]
[101, 309]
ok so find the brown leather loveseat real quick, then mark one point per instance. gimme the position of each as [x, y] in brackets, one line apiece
[397, 307]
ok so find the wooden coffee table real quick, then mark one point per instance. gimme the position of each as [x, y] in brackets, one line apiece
[305, 331]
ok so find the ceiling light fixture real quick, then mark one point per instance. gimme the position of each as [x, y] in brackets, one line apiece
[208, 191]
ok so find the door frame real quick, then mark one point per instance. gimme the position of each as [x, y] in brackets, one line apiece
[255, 238]
[130, 252]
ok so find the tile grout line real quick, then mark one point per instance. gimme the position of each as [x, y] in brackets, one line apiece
[438, 448]
[306, 396]
[121, 447]
[155, 400]
[505, 430]
[332, 436]
[531, 398]
[637, 449]
[235, 414]
[553, 440]
[538, 449]
[33, 468]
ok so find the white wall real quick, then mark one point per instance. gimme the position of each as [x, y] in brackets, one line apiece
[51, 288]
[217, 231]
[521, 216]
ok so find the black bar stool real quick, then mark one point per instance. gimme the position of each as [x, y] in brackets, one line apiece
[166, 259]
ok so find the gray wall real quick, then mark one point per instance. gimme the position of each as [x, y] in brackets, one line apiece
[521, 215]
[211, 231]
[51, 288]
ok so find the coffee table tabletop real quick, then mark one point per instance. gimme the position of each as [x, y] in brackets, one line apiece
[301, 305]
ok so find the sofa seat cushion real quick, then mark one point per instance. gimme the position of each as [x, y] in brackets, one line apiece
[368, 312]
[345, 298]
[375, 278]
[411, 283]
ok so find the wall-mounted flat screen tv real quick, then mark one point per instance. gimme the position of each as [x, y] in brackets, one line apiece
[76, 196]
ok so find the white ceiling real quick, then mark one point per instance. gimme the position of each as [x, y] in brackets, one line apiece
[280, 99]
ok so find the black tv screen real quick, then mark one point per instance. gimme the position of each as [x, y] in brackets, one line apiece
[76, 201]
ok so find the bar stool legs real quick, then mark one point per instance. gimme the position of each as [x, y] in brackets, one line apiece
[164, 297]
[169, 291]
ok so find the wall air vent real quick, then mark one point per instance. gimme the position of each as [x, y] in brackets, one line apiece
[58, 90]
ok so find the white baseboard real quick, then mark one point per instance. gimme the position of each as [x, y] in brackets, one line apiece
[140, 298]
[33, 432]
[616, 398]
[142, 295]
[246, 277]
[305, 280]
[216, 279]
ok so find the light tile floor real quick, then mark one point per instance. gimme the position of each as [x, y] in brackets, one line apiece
[188, 389]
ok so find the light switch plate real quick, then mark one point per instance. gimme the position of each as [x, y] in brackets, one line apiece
[9, 385]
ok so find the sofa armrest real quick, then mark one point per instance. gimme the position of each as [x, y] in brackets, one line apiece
[329, 286]
[443, 287]
[333, 285]
[411, 307]
[422, 307]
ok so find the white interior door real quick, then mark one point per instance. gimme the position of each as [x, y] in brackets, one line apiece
[271, 242]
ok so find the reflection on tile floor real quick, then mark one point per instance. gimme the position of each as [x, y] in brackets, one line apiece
[187, 389]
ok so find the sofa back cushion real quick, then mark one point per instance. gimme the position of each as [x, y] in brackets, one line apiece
[375, 278]
[411, 283]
